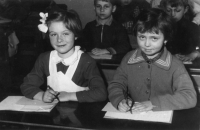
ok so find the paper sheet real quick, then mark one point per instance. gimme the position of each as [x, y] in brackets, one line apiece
[21, 103]
[158, 116]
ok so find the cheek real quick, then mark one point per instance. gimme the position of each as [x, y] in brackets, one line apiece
[53, 41]
[140, 43]
[159, 46]
[180, 15]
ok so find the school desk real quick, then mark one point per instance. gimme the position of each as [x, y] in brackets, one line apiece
[85, 116]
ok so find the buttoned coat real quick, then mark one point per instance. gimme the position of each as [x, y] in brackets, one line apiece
[165, 83]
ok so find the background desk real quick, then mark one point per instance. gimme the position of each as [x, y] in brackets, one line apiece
[108, 68]
[73, 115]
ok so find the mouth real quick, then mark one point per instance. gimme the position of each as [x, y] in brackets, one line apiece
[60, 46]
[148, 50]
[102, 14]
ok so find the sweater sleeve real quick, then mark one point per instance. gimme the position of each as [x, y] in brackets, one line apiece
[33, 81]
[183, 97]
[119, 84]
[97, 90]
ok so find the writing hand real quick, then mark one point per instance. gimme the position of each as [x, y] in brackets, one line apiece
[123, 106]
[49, 95]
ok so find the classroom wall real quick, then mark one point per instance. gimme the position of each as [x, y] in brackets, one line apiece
[85, 8]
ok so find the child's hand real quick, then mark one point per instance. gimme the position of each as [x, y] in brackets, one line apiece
[97, 51]
[142, 106]
[128, 25]
[123, 106]
[49, 95]
[190, 57]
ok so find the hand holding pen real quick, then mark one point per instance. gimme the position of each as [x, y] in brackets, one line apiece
[49, 95]
[126, 104]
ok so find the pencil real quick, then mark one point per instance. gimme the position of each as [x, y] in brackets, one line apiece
[56, 96]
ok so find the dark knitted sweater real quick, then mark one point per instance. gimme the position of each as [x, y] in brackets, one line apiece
[105, 37]
[86, 75]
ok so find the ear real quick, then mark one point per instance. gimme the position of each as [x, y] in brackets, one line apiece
[186, 9]
[165, 41]
[114, 8]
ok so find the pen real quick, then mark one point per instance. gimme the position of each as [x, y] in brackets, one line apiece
[56, 96]
[127, 98]
[132, 103]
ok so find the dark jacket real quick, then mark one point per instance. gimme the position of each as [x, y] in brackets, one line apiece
[185, 39]
[114, 37]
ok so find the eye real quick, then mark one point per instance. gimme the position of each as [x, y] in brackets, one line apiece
[141, 37]
[168, 10]
[177, 10]
[52, 35]
[105, 7]
[154, 39]
[98, 6]
[65, 34]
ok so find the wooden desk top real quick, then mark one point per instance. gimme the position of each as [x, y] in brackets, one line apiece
[193, 68]
[73, 115]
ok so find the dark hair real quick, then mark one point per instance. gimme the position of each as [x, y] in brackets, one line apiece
[175, 3]
[69, 18]
[154, 20]
[113, 2]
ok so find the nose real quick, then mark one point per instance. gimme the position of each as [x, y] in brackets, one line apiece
[102, 9]
[147, 43]
[173, 14]
[59, 38]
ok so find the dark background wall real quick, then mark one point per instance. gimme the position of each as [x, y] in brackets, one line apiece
[85, 8]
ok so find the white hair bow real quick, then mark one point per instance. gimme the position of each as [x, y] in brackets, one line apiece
[43, 26]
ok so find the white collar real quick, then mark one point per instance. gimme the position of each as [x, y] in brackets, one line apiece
[67, 61]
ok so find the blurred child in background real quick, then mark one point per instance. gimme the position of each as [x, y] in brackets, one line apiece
[104, 35]
[127, 12]
[186, 39]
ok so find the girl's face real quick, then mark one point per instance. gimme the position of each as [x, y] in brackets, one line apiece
[104, 9]
[150, 43]
[62, 39]
[176, 12]
[125, 2]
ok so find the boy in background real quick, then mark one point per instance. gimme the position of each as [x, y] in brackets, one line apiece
[185, 42]
[127, 12]
[104, 35]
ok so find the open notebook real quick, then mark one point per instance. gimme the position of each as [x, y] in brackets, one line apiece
[151, 116]
[21, 103]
